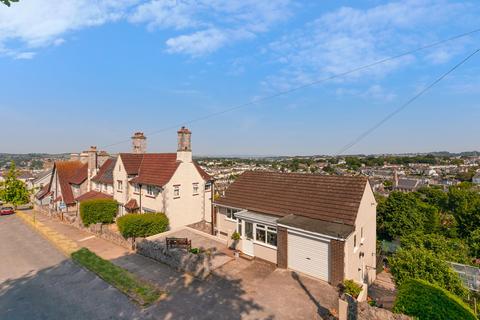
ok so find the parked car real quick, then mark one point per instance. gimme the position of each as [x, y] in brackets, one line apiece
[6, 210]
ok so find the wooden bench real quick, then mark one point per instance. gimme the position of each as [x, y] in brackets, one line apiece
[179, 243]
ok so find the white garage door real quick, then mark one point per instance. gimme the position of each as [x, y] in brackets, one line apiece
[308, 255]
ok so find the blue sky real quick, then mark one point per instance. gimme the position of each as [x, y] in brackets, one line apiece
[76, 73]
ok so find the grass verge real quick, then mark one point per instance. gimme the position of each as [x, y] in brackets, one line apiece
[138, 290]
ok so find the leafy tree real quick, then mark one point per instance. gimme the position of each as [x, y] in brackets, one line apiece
[403, 213]
[420, 263]
[474, 242]
[8, 2]
[465, 207]
[12, 190]
[454, 250]
[329, 169]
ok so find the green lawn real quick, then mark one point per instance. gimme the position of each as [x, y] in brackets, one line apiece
[120, 278]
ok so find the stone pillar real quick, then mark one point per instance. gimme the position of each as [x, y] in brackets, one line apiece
[282, 248]
[337, 261]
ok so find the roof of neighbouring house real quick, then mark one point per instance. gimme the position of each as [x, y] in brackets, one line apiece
[328, 198]
[80, 176]
[405, 183]
[154, 168]
[131, 204]
[68, 171]
[105, 173]
[91, 195]
[43, 192]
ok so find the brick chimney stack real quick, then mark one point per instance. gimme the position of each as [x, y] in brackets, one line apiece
[92, 165]
[184, 149]
[139, 143]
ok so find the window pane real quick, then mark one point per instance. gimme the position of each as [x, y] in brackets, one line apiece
[272, 238]
[260, 234]
[249, 230]
[240, 227]
[260, 226]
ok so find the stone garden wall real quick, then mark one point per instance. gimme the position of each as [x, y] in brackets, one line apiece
[198, 265]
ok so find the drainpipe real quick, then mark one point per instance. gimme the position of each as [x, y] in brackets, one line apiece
[140, 198]
[212, 211]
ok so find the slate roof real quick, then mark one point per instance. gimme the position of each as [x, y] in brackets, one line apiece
[408, 184]
[328, 198]
[91, 195]
[105, 173]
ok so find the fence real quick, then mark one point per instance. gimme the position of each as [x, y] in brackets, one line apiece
[469, 275]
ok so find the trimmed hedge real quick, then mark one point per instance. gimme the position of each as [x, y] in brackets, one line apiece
[426, 301]
[98, 211]
[135, 225]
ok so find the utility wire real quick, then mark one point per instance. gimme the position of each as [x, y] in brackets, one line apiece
[285, 92]
[403, 106]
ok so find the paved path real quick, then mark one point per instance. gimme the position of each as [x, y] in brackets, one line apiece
[383, 290]
[38, 282]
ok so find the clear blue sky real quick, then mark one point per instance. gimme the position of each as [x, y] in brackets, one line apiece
[80, 73]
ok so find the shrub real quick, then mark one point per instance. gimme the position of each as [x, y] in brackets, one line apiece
[98, 211]
[195, 250]
[420, 263]
[427, 301]
[352, 288]
[142, 224]
[235, 236]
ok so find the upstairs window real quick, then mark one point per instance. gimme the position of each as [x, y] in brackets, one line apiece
[208, 186]
[119, 185]
[195, 188]
[150, 190]
[176, 191]
[136, 188]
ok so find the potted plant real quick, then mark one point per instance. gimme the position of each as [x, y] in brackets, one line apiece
[236, 238]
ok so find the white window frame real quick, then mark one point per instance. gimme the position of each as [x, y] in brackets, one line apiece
[119, 186]
[150, 190]
[230, 214]
[176, 192]
[267, 229]
[208, 186]
[136, 188]
[195, 188]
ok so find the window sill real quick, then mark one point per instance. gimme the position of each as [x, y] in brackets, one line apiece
[176, 198]
[149, 196]
[195, 194]
[355, 249]
[263, 244]
[231, 220]
[119, 191]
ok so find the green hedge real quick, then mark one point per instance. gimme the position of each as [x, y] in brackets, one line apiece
[427, 301]
[98, 211]
[142, 224]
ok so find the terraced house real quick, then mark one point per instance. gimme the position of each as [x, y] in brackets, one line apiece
[322, 226]
[163, 182]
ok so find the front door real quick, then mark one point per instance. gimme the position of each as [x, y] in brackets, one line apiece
[247, 241]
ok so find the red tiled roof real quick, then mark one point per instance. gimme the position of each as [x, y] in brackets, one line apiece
[131, 204]
[156, 169]
[66, 171]
[105, 173]
[90, 195]
[80, 176]
[329, 198]
[43, 192]
[131, 162]
[202, 172]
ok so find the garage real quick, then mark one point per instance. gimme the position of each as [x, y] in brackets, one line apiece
[308, 255]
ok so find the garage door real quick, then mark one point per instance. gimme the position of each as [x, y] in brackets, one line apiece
[308, 255]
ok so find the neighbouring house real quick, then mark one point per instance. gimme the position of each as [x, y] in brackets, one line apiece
[163, 182]
[406, 184]
[322, 226]
[41, 180]
[72, 181]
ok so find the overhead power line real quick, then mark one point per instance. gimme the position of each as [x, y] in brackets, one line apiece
[310, 84]
[403, 106]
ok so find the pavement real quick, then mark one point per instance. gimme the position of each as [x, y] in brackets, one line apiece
[37, 281]
[239, 289]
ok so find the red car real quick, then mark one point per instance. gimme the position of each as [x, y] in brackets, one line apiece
[6, 210]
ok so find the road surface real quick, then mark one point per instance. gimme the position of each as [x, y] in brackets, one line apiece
[38, 282]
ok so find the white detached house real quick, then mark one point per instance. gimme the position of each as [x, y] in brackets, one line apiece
[163, 182]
